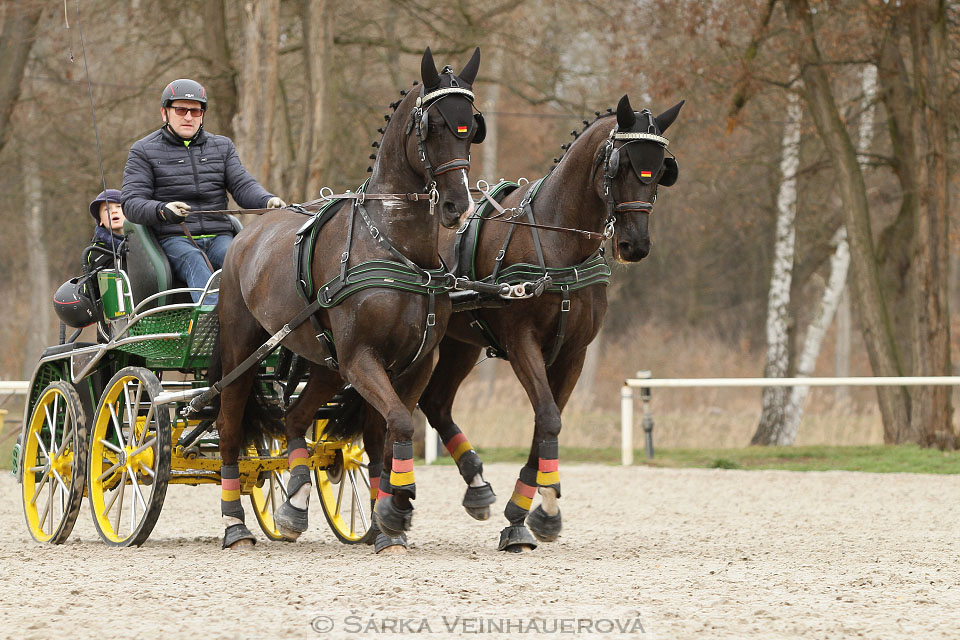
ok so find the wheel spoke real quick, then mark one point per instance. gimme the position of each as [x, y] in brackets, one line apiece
[359, 502]
[120, 491]
[113, 499]
[53, 425]
[150, 472]
[110, 445]
[59, 479]
[144, 446]
[136, 486]
[43, 481]
[43, 449]
[109, 472]
[146, 424]
[64, 439]
[46, 511]
[131, 414]
[340, 490]
[116, 425]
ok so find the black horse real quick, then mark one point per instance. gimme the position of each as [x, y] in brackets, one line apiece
[604, 186]
[380, 309]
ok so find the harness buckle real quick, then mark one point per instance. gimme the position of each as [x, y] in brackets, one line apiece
[431, 319]
[375, 232]
[565, 306]
[344, 257]
[500, 255]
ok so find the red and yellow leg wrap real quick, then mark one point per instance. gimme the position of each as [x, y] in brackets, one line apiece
[401, 470]
[457, 446]
[230, 491]
[523, 492]
[548, 465]
[375, 469]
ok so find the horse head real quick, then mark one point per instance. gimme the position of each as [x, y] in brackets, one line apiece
[441, 122]
[632, 163]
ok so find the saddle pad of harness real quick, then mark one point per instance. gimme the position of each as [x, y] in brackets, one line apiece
[465, 249]
[304, 245]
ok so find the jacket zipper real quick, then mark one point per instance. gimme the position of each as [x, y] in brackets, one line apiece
[196, 182]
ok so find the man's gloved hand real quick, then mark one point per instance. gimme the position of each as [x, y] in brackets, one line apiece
[175, 212]
[275, 203]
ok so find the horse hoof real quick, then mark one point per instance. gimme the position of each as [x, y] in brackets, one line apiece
[545, 527]
[288, 535]
[290, 518]
[516, 539]
[391, 544]
[477, 501]
[237, 537]
[374, 532]
[391, 520]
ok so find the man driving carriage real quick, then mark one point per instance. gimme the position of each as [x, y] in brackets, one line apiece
[180, 168]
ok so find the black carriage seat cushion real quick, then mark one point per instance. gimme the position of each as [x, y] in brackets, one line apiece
[148, 267]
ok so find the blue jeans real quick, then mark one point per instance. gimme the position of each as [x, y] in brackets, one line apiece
[188, 264]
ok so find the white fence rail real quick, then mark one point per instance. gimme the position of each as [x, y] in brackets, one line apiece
[645, 383]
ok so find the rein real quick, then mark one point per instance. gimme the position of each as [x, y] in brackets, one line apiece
[517, 211]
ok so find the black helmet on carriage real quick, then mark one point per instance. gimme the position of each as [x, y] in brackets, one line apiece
[73, 305]
[183, 89]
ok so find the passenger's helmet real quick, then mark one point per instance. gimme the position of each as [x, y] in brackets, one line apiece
[183, 89]
[72, 304]
[111, 195]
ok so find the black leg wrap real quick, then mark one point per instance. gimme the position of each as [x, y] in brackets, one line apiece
[233, 509]
[235, 533]
[374, 529]
[290, 517]
[477, 501]
[547, 528]
[469, 465]
[298, 477]
[296, 443]
[515, 514]
[514, 538]
[391, 520]
[384, 541]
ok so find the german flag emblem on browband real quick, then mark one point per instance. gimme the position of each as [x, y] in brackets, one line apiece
[461, 128]
[646, 174]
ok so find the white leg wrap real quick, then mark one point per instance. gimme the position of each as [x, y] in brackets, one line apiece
[548, 500]
[477, 481]
[229, 521]
[302, 497]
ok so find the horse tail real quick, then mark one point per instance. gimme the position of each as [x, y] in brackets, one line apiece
[346, 421]
[260, 414]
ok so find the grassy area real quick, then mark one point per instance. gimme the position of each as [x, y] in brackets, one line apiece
[873, 458]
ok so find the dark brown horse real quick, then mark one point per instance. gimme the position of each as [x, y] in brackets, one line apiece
[606, 181]
[384, 334]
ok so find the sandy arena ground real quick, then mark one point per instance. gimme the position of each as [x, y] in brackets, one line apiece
[652, 553]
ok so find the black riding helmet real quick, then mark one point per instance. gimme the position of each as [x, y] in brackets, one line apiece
[183, 89]
[73, 306]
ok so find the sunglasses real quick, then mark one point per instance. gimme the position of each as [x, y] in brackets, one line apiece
[196, 112]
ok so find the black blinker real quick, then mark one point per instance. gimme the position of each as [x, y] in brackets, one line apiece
[481, 133]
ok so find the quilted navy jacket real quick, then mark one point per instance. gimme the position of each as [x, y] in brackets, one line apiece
[160, 169]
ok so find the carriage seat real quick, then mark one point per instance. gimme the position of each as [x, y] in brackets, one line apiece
[148, 267]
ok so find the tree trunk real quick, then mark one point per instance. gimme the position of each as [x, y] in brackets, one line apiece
[38, 266]
[778, 300]
[867, 294]
[19, 29]
[223, 76]
[254, 124]
[491, 106]
[839, 266]
[313, 150]
[841, 348]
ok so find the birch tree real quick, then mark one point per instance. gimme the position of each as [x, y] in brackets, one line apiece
[778, 301]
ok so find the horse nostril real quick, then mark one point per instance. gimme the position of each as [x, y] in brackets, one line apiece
[450, 209]
[625, 248]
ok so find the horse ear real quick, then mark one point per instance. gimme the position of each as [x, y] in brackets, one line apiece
[666, 118]
[626, 118]
[428, 70]
[469, 72]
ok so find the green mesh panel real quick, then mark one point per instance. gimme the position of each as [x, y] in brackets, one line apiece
[47, 373]
[196, 329]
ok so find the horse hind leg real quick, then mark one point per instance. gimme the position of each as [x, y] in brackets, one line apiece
[455, 363]
[291, 517]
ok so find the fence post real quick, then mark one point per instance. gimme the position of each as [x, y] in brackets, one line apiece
[626, 425]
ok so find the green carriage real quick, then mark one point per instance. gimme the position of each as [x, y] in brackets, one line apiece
[104, 420]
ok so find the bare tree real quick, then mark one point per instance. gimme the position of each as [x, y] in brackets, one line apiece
[19, 29]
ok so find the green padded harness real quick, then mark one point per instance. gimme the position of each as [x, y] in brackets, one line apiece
[592, 271]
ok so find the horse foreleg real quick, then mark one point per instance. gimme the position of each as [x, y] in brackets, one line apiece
[291, 517]
[393, 512]
[541, 472]
[455, 363]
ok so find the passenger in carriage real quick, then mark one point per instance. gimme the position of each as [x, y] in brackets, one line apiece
[108, 241]
[179, 169]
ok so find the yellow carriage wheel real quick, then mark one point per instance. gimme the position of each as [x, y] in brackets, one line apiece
[344, 489]
[272, 493]
[53, 462]
[129, 464]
